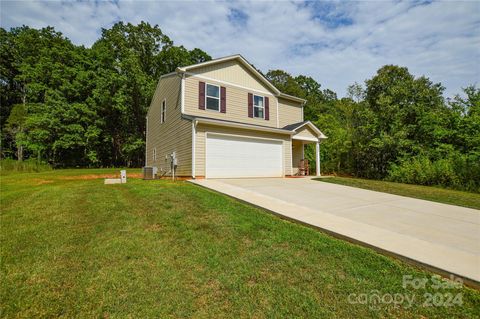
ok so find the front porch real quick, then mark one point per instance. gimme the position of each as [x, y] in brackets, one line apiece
[300, 168]
[306, 134]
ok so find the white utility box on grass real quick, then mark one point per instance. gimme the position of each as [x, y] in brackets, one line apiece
[121, 180]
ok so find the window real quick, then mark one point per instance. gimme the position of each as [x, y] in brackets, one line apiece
[258, 107]
[154, 154]
[212, 97]
[163, 111]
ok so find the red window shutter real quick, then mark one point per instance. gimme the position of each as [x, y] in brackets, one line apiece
[267, 109]
[250, 105]
[201, 95]
[223, 100]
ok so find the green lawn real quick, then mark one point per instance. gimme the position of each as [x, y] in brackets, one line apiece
[435, 194]
[73, 247]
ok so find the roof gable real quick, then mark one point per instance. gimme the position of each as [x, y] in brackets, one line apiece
[232, 71]
[307, 132]
[235, 69]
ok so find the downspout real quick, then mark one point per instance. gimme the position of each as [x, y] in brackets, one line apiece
[194, 134]
[182, 96]
[303, 106]
[278, 123]
[317, 148]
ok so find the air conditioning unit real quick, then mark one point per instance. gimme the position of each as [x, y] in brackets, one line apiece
[148, 172]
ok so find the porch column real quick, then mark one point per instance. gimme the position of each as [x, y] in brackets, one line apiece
[317, 148]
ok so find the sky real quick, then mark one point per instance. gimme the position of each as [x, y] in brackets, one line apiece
[336, 43]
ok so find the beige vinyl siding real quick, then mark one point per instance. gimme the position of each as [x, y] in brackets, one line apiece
[289, 112]
[297, 155]
[232, 72]
[306, 132]
[200, 144]
[173, 135]
[236, 101]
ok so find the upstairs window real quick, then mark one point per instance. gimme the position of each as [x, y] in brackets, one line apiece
[212, 97]
[258, 107]
[163, 111]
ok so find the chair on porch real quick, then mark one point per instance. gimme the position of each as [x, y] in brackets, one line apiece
[303, 167]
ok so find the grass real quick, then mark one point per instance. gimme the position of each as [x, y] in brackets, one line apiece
[29, 165]
[73, 247]
[435, 194]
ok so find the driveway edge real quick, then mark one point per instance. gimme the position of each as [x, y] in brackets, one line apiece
[224, 190]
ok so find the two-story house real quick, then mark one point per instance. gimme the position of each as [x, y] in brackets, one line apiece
[223, 119]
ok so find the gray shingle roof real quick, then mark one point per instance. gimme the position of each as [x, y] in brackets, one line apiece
[293, 126]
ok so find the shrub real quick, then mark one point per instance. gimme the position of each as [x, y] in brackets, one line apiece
[27, 166]
[458, 171]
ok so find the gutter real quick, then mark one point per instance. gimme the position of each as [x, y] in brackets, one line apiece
[237, 125]
[292, 98]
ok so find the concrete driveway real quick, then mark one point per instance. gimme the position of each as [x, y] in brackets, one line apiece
[444, 237]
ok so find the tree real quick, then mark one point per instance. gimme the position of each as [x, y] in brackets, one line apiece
[129, 62]
[464, 118]
[406, 111]
[356, 92]
[284, 82]
[16, 127]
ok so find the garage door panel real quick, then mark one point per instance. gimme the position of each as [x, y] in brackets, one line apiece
[231, 156]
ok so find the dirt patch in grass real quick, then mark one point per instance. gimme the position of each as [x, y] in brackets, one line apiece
[154, 227]
[39, 181]
[97, 176]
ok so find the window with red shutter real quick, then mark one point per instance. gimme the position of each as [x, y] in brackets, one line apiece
[212, 97]
[259, 106]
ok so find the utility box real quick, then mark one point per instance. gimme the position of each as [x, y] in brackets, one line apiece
[123, 176]
[173, 159]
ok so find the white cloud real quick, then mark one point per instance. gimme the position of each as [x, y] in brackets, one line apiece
[336, 43]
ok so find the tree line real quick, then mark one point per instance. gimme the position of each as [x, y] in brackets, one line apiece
[72, 106]
[396, 127]
[75, 106]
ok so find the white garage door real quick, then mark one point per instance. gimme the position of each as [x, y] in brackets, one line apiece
[231, 156]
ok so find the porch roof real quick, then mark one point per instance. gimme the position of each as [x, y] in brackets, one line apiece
[296, 127]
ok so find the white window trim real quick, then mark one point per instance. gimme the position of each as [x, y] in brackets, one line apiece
[154, 154]
[163, 112]
[212, 97]
[263, 107]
